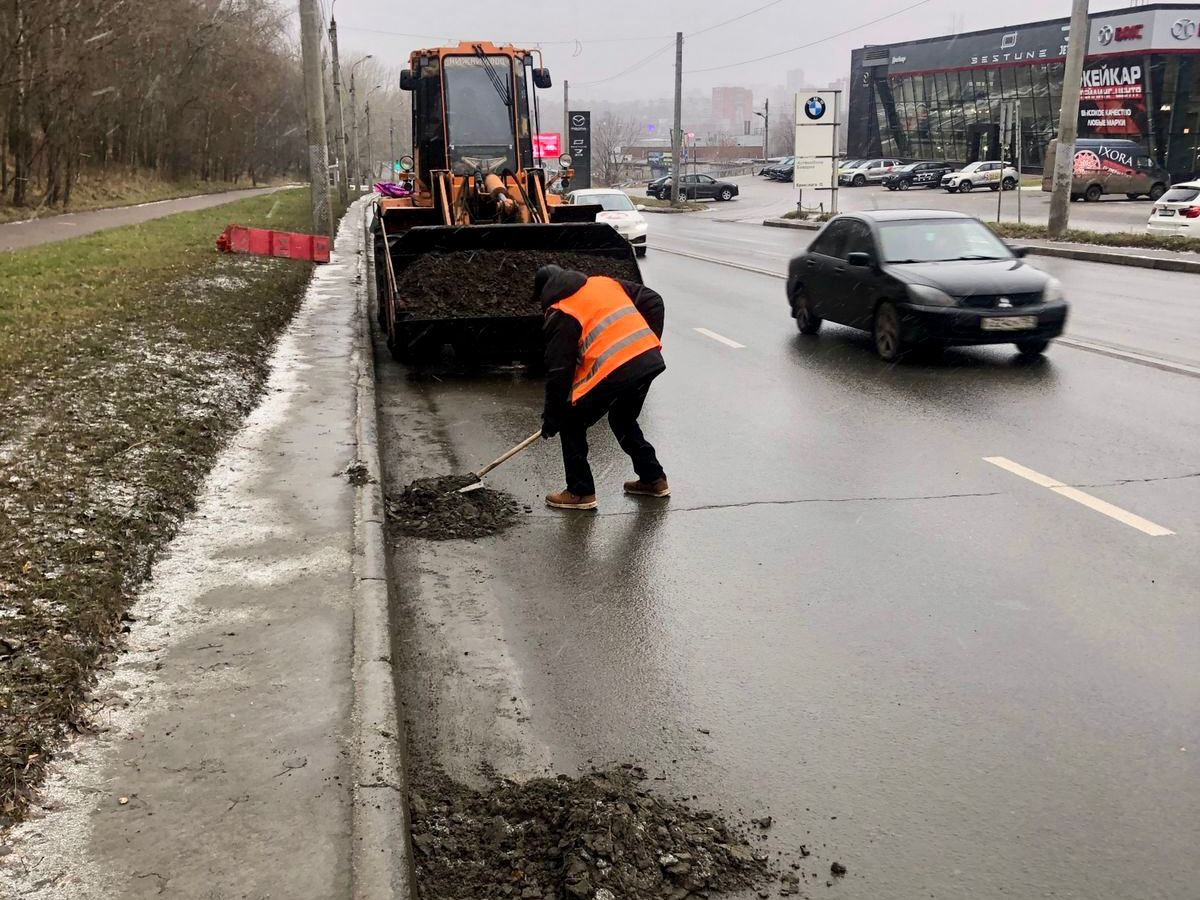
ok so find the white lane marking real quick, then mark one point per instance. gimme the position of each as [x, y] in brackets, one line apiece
[1095, 503]
[719, 337]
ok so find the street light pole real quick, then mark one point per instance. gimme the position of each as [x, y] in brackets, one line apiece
[356, 165]
[765, 115]
[1068, 121]
[343, 167]
[369, 168]
[677, 132]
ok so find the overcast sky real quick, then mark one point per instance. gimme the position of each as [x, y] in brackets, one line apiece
[615, 35]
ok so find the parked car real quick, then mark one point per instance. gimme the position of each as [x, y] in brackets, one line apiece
[770, 163]
[867, 171]
[700, 187]
[923, 276]
[1177, 211]
[919, 174]
[1109, 167]
[659, 187]
[618, 211]
[784, 171]
[985, 173]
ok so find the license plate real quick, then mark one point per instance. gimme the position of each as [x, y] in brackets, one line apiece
[1166, 212]
[1008, 323]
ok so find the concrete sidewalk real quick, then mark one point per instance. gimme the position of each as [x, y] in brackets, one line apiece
[47, 230]
[228, 760]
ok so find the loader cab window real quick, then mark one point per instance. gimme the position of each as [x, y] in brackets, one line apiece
[479, 114]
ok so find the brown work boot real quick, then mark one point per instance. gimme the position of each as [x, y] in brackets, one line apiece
[567, 500]
[657, 488]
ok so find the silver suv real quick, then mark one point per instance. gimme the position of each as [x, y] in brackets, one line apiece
[871, 171]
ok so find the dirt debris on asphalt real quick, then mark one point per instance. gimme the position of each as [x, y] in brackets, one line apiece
[433, 508]
[599, 836]
[491, 283]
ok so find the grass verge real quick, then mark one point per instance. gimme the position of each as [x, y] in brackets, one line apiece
[807, 216]
[127, 358]
[658, 204]
[124, 190]
[1013, 230]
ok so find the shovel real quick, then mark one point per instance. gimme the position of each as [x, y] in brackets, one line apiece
[508, 454]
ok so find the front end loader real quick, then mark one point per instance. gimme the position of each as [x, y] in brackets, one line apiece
[455, 258]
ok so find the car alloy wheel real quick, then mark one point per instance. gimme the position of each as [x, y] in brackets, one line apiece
[886, 332]
[1093, 193]
[806, 322]
[964, 187]
[1009, 183]
[1157, 191]
[860, 180]
[904, 184]
[726, 194]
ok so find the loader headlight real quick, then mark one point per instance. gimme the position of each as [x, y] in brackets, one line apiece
[565, 160]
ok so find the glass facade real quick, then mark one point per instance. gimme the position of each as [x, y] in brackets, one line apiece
[941, 98]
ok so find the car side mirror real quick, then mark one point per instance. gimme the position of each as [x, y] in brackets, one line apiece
[641, 207]
[407, 81]
[541, 78]
[858, 258]
[1019, 252]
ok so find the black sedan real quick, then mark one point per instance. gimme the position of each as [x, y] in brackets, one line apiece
[921, 174]
[694, 187]
[659, 187]
[915, 277]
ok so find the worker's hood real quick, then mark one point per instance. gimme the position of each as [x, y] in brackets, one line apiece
[552, 284]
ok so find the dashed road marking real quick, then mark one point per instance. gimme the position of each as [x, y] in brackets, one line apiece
[1094, 503]
[720, 337]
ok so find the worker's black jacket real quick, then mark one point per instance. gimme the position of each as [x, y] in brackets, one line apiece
[562, 334]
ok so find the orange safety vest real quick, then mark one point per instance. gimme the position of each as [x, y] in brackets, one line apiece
[612, 331]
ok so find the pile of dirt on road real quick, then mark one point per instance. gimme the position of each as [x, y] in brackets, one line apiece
[601, 836]
[433, 508]
[491, 283]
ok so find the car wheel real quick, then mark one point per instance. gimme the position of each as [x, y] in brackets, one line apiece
[964, 187]
[859, 180]
[639, 251]
[886, 332]
[1093, 193]
[1133, 196]
[726, 194]
[993, 187]
[904, 184]
[890, 186]
[806, 321]
[1157, 191]
[1033, 346]
[1009, 183]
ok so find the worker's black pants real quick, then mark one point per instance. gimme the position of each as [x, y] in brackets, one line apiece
[623, 409]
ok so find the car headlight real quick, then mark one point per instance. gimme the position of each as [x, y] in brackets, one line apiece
[929, 296]
[1052, 292]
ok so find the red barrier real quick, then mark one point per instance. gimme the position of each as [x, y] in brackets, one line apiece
[264, 242]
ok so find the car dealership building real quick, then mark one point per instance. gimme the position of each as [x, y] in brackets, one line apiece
[941, 98]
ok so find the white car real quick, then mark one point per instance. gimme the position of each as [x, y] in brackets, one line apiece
[1177, 211]
[981, 174]
[618, 211]
[866, 171]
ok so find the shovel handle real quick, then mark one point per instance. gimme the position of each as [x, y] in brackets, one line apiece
[509, 453]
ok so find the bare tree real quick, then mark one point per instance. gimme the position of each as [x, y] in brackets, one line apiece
[612, 137]
[783, 135]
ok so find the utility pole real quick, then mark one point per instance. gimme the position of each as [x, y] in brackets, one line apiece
[343, 168]
[392, 148]
[369, 167]
[1068, 121]
[566, 114]
[354, 124]
[766, 117]
[314, 97]
[677, 131]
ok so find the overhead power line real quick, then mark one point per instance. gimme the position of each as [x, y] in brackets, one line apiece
[525, 43]
[821, 40]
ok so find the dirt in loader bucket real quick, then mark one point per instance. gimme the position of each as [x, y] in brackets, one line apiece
[471, 284]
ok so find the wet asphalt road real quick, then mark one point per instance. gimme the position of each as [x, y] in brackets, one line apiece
[956, 681]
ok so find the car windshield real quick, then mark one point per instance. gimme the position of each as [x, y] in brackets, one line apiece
[610, 202]
[1181, 194]
[851, 163]
[939, 240]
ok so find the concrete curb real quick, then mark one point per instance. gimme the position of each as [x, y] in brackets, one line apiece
[1116, 256]
[381, 850]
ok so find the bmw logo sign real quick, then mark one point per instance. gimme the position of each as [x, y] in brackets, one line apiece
[814, 107]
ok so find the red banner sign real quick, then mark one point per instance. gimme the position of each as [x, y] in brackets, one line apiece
[547, 146]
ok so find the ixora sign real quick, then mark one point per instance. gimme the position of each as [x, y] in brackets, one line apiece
[817, 119]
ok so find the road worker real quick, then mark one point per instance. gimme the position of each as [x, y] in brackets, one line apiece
[603, 349]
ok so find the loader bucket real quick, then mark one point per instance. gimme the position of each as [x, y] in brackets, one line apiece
[472, 286]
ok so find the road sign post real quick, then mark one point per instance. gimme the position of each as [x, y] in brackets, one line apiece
[818, 115]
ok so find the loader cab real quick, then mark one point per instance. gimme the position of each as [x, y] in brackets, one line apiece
[471, 109]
